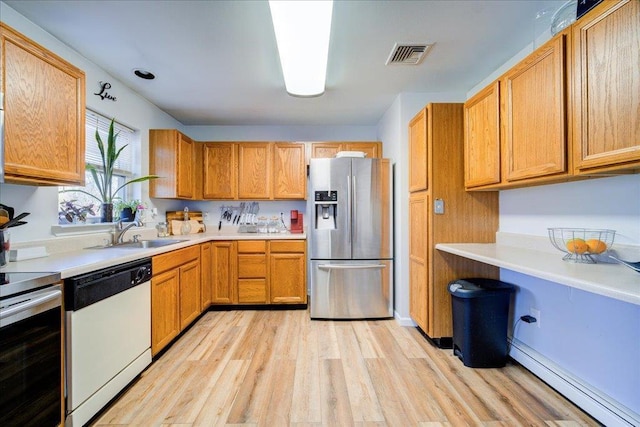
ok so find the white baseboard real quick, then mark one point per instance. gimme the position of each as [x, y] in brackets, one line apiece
[403, 321]
[606, 410]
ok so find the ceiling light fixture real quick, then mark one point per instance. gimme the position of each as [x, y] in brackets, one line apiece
[302, 32]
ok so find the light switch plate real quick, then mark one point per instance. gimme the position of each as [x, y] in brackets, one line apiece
[438, 206]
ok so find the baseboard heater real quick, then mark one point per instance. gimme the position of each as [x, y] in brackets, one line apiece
[601, 407]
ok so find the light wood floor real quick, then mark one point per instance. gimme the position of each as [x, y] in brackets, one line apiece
[279, 368]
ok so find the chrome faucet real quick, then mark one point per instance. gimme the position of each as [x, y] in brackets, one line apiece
[122, 230]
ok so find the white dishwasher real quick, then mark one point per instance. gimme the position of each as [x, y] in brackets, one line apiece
[108, 336]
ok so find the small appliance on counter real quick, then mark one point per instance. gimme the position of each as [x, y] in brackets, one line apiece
[297, 222]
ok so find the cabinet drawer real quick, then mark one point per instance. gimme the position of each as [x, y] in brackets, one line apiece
[287, 246]
[250, 266]
[252, 291]
[252, 246]
[173, 259]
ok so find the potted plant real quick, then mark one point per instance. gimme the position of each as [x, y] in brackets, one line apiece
[103, 177]
[128, 209]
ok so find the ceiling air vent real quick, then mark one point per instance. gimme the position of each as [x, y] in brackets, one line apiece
[408, 53]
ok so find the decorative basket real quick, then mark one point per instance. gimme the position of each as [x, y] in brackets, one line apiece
[580, 244]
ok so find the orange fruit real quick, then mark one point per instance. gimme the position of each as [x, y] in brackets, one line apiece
[596, 246]
[577, 246]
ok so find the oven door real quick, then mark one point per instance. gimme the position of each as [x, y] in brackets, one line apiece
[31, 359]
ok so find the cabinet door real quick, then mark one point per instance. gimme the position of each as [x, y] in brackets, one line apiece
[253, 291]
[165, 317]
[224, 272]
[372, 149]
[220, 170]
[189, 293]
[325, 150]
[418, 152]
[482, 138]
[254, 170]
[535, 114]
[186, 161]
[172, 156]
[289, 171]
[287, 278]
[418, 259]
[606, 54]
[206, 280]
[44, 102]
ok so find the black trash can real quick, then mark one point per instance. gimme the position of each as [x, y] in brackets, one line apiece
[480, 320]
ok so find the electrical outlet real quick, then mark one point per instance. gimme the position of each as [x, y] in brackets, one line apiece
[535, 313]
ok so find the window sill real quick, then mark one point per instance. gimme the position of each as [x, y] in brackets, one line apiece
[77, 229]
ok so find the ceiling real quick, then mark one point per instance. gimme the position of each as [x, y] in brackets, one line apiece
[216, 62]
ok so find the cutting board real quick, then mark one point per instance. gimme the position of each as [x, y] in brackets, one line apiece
[179, 216]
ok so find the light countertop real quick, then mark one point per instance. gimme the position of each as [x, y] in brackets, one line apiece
[81, 261]
[610, 280]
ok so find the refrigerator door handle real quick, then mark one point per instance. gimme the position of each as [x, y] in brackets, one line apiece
[349, 266]
[354, 223]
[349, 207]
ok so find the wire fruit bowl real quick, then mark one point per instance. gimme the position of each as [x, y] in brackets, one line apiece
[580, 244]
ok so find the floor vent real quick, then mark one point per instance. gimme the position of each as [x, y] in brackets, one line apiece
[408, 54]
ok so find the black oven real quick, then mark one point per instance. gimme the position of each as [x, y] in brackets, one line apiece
[30, 351]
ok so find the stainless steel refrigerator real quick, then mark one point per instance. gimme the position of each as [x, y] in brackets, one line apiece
[351, 238]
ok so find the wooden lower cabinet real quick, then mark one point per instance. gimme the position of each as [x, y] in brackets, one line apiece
[175, 294]
[206, 275]
[287, 272]
[224, 263]
[253, 287]
[189, 293]
[165, 309]
[418, 258]
[271, 272]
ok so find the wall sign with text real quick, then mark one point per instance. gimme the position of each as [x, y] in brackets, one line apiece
[103, 93]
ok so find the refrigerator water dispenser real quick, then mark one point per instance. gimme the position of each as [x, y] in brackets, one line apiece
[326, 210]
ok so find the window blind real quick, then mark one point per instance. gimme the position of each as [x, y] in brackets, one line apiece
[101, 123]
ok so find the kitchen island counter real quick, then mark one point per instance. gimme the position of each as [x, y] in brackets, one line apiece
[611, 280]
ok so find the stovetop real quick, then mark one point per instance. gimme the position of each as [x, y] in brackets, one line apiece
[17, 283]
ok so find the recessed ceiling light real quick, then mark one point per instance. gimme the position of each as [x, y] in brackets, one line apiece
[144, 74]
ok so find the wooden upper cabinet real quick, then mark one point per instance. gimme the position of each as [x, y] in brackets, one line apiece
[482, 137]
[534, 114]
[172, 156]
[606, 90]
[44, 103]
[325, 150]
[220, 165]
[186, 161]
[418, 152]
[289, 171]
[372, 149]
[254, 170]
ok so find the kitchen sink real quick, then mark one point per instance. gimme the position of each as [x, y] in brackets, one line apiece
[156, 243]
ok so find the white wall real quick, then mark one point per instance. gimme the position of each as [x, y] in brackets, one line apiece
[130, 109]
[282, 133]
[612, 203]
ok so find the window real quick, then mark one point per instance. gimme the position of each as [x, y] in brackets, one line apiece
[75, 205]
